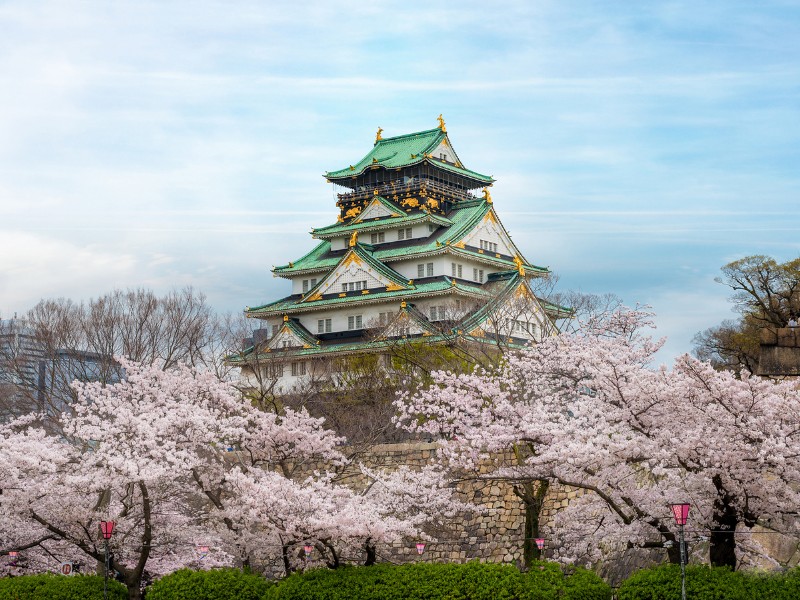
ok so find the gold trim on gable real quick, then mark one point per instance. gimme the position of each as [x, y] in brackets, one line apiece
[394, 287]
[490, 217]
[314, 298]
[352, 258]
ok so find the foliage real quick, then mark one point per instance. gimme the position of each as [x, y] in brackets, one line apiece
[471, 581]
[587, 410]
[47, 586]
[767, 294]
[709, 583]
[217, 584]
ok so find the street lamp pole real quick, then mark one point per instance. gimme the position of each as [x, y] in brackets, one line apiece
[680, 513]
[107, 529]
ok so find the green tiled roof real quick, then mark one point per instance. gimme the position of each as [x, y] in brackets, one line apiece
[431, 336]
[403, 151]
[359, 346]
[366, 257]
[464, 217]
[300, 332]
[293, 304]
[379, 223]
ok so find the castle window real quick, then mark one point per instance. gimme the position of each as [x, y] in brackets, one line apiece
[421, 270]
[430, 269]
[298, 369]
[354, 322]
[305, 285]
[274, 370]
[436, 313]
[487, 245]
[354, 286]
[377, 238]
[385, 318]
[404, 234]
[324, 326]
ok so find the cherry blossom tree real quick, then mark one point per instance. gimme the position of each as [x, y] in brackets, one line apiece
[177, 458]
[589, 410]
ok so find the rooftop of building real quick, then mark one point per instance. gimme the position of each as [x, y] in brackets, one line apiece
[407, 150]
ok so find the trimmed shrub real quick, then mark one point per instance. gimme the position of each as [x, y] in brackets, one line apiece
[709, 583]
[433, 581]
[47, 586]
[217, 584]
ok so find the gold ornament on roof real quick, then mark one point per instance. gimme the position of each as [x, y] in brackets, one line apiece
[487, 196]
[403, 304]
[354, 239]
[285, 318]
[352, 212]
[520, 267]
[441, 123]
[378, 136]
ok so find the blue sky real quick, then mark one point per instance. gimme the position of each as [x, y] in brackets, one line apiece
[637, 146]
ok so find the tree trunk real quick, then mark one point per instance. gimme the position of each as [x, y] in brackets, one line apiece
[287, 563]
[372, 554]
[134, 588]
[532, 494]
[722, 551]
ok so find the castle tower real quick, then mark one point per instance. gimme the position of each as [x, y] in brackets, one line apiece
[417, 252]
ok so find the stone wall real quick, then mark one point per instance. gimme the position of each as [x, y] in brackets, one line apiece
[779, 353]
[493, 534]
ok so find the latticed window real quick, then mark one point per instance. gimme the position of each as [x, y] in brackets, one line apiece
[430, 269]
[354, 322]
[324, 326]
[487, 245]
[378, 238]
[298, 369]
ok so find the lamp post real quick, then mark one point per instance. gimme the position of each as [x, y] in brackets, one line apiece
[680, 513]
[107, 529]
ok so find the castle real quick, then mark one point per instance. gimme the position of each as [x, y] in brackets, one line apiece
[417, 252]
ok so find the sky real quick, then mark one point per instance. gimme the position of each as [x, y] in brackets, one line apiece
[637, 146]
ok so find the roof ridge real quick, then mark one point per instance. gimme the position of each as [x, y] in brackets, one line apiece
[408, 135]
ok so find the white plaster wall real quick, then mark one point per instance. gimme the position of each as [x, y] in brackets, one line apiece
[297, 282]
[490, 232]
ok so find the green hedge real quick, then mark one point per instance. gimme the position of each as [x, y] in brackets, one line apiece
[707, 583]
[217, 584]
[59, 587]
[427, 581]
